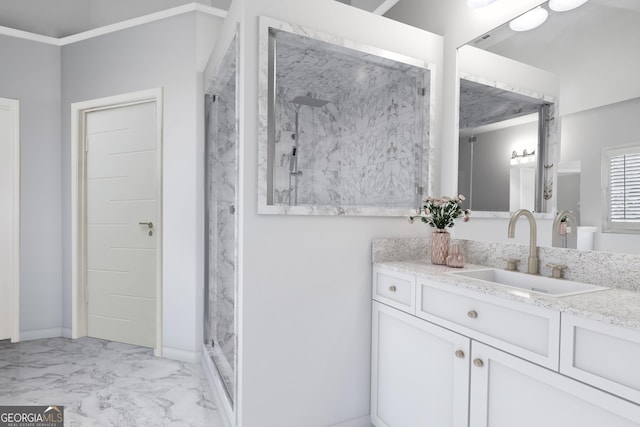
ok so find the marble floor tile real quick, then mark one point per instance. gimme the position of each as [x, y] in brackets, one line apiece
[103, 383]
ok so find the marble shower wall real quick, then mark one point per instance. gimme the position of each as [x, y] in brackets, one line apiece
[361, 148]
[221, 140]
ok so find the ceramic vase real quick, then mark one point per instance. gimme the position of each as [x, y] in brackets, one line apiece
[440, 246]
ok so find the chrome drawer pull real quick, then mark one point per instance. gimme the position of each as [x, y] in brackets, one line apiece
[473, 314]
[392, 288]
[459, 354]
[478, 362]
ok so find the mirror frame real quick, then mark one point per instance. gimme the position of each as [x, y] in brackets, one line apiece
[266, 99]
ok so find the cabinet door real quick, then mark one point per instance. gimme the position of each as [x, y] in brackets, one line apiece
[419, 372]
[507, 391]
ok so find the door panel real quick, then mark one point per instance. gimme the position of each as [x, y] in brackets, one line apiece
[121, 252]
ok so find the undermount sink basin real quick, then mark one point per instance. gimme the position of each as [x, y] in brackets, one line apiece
[529, 282]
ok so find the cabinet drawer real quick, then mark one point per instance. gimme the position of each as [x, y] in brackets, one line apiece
[603, 355]
[525, 330]
[395, 289]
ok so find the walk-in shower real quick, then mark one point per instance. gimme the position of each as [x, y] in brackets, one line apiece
[294, 172]
[346, 129]
[221, 218]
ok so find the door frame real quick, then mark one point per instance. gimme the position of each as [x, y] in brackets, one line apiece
[79, 297]
[13, 106]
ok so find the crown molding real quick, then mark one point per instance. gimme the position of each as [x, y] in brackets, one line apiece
[385, 6]
[25, 35]
[119, 26]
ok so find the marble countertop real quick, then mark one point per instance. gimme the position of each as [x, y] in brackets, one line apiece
[614, 306]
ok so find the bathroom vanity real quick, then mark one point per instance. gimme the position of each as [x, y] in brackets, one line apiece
[450, 350]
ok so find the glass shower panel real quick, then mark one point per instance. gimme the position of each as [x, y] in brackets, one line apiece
[221, 218]
[349, 126]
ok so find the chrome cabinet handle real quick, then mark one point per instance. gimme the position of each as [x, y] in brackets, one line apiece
[392, 288]
[478, 362]
[473, 314]
[148, 224]
[459, 354]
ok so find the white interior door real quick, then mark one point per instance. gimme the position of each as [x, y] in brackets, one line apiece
[121, 208]
[9, 218]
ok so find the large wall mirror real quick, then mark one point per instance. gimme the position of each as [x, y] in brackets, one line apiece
[593, 53]
[344, 127]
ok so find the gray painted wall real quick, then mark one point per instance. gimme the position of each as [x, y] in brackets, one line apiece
[305, 292]
[159, 54]
[30, 72]
[492, 164]
[569, 194]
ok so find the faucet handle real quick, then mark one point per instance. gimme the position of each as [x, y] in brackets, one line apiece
[557, 270]
[512, 264]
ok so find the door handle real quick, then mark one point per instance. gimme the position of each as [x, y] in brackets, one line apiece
[148, 224]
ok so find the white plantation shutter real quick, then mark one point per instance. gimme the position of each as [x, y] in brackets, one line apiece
[622, 172]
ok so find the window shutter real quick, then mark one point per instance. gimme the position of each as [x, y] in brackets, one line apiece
[624, 190]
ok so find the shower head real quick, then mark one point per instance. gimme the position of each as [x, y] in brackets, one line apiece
[309, 101]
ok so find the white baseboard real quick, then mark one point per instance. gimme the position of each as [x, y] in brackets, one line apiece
[219, 396]
[181, 355]
[38, 334]
[66, 332]
[356, 422]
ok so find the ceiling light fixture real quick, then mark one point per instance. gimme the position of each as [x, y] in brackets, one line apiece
[475, 4]
[530, 20]
[564, 5]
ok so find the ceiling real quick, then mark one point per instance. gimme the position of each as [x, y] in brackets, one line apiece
[62, 18]
[593, 27]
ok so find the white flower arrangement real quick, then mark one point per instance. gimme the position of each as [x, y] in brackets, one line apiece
[440, 212]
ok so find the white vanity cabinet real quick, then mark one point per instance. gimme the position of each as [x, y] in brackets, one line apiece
[603, 355]
[464, 358]
[420, 372]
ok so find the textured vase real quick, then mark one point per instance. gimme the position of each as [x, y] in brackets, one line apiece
[440, 246]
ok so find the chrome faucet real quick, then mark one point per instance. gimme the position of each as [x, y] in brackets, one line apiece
[533, 256]
[555, 229]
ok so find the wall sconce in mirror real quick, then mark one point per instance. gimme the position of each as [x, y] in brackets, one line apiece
[525, 157]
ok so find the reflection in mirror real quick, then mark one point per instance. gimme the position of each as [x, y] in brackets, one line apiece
[500, 134]
[348, 129]
[594, 52]
[568, 201]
